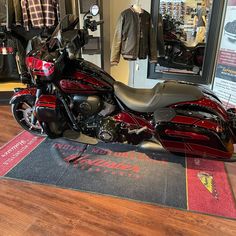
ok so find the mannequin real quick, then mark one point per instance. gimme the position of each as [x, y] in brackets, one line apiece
[137, 7]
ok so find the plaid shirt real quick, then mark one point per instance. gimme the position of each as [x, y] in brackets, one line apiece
[40, 13]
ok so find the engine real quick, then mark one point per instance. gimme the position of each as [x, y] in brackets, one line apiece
[92, 114]
[108, 130]
[86, 105]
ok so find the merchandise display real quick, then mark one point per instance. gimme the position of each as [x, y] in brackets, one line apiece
[86, 104]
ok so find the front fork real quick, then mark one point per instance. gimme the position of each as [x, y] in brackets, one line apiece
[33, 117]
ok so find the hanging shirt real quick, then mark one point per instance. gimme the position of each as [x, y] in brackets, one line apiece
[40, 13]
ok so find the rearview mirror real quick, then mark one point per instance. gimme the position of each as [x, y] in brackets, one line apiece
[94, 10]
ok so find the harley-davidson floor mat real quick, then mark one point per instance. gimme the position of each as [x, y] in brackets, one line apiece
[119, 170]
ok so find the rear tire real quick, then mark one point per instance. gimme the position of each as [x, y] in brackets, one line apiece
[22, 112]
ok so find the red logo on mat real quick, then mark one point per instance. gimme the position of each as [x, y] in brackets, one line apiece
[132, 155]
[108, 164]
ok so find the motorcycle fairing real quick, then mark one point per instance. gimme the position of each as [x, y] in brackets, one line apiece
[80, 76]
[40, 67]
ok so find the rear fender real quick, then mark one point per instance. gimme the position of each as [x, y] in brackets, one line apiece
[23, 94]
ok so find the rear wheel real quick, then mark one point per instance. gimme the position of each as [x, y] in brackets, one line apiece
[22, 112]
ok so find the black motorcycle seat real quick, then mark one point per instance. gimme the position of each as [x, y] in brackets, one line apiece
[160, 96]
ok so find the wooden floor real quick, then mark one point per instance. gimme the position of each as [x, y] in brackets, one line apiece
[32, 209]
[9, 86]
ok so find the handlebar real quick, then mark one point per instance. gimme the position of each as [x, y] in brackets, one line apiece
[73, 39]
[92, 25]
[100, 22]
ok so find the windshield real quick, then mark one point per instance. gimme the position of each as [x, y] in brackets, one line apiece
[67, 23]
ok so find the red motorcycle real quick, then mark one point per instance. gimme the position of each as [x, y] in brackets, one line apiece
[68, 96]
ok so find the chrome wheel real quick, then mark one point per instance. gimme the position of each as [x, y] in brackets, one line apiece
[22, 112]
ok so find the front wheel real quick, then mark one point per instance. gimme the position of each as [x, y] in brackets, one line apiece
[22, 112]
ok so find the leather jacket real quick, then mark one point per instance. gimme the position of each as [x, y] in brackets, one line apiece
[134, 37]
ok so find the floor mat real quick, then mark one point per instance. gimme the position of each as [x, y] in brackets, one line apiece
[121, 171]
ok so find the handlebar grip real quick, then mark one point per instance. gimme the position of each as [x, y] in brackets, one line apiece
[100, 22]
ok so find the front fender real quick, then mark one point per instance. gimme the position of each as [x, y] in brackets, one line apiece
[20, 95]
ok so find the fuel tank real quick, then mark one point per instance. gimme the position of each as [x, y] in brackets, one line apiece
[83, 77]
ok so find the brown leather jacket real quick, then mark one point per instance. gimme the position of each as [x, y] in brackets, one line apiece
[134, 37]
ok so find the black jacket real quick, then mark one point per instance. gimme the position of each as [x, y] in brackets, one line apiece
[134, 37]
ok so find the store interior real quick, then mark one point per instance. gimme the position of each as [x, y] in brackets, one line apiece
[177, 43]
[117, 117]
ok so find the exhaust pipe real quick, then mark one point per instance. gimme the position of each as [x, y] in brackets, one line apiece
[151, 146]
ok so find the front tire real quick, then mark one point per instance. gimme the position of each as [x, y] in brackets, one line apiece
[22, 112]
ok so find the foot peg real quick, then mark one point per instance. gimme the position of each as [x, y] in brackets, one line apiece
[79, 137]
[137, 131]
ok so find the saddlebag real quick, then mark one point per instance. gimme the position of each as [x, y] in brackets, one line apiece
[196, 133]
